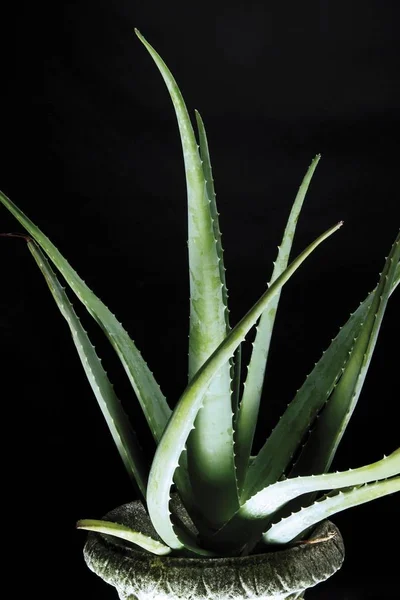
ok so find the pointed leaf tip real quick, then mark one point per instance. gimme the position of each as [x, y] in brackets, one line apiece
[125, 533]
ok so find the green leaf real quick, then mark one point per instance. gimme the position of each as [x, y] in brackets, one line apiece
[152, 401]
[292, 527]
[211, 195]
[213, 435]
[273, 458]
[255, 515]
[320, 449]
[396, 279]
[249, 406]
[125, 533]
[275, 496]
[277, 452]
[206, 162]
[181, 423]
[123, 435]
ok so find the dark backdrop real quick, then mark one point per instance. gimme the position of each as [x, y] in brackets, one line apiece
[90, 151]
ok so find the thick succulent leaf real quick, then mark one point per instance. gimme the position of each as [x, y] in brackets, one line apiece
[177, 431]
[213, 435]
[292, 527]
[396, 278]
[148, 392]
[206, 162]
[249, 406]
[115, 416]
[256, 514]
[236, 367]
[277, 452]
[211, 195]
[279, 449]
[275, 496]
[320, 449]
[208, 311]
[153, 402]
[307, 463]
[235, 363]
[124, 533]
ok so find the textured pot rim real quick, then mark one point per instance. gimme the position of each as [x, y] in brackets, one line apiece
[137, 573]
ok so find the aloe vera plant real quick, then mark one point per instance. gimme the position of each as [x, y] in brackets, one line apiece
[204, 445]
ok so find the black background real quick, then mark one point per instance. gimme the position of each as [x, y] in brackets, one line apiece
[90, 150]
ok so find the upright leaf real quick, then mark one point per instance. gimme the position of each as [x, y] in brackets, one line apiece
[211, 195]
[279, 449]
[318, 453]
[181, 423]
[249, 406]
[235, 362]
[213, 435]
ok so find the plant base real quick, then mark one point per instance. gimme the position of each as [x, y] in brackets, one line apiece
[278, 575]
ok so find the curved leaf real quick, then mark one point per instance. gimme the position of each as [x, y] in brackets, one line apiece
[211, 195]
[275, 455]
[124, 533]
[118, 423]
[177, 431]
[249, 406]
[275, 496]
[256, 514]
[318, 453]
[152, 401]
[292, 527]
[208, 320]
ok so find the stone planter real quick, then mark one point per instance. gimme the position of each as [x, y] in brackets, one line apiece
[138, 575]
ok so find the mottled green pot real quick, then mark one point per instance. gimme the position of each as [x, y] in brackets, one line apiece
[138, 575]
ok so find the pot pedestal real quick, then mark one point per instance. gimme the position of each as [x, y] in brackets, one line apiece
[278, 575]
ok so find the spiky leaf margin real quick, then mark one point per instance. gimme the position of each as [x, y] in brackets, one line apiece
[277, 452]
[293, 526]
[118, 423]
[125, 533]
[213, 434]
[172, 444]
[250, 403]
